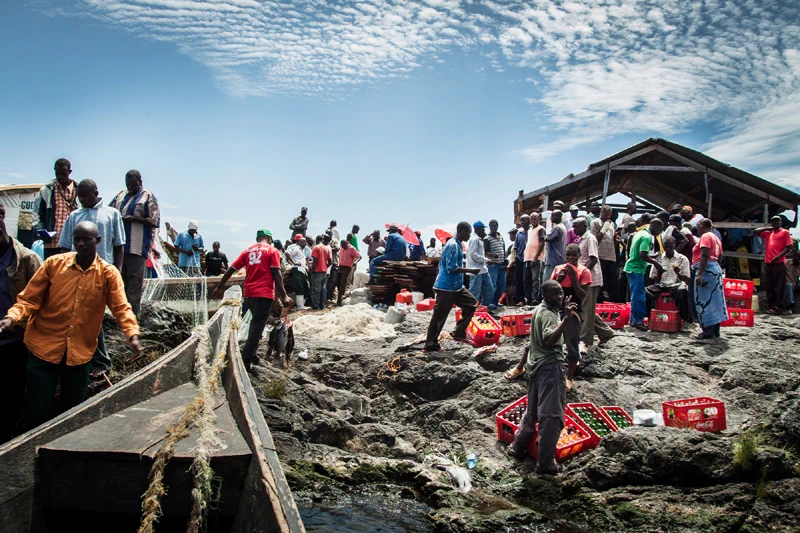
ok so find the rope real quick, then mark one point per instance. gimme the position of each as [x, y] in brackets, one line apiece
[200, 413]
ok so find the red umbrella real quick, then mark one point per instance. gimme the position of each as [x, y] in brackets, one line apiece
[442, 235]
[407, 233]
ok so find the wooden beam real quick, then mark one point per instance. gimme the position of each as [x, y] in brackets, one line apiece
[659, 186]
[590, 172]
[727, 179]
[655, 168]
[605, 185]
[743, 255]
[738, 225]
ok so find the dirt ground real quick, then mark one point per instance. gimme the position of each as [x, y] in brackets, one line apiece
[343, 421]
[338, 425]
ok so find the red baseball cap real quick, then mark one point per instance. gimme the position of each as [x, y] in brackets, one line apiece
[299, 238]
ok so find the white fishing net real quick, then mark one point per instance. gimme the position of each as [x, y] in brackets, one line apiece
[344, 323]
[185, 292]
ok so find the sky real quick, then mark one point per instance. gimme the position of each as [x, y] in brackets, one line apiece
[424, 112]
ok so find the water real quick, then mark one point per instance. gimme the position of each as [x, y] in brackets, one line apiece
[365, 513]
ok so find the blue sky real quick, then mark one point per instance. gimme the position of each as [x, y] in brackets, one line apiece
[427, 112]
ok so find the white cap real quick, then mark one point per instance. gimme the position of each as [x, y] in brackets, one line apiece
[193, 225]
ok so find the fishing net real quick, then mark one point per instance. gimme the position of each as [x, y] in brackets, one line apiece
[185, 292]
[345, 323]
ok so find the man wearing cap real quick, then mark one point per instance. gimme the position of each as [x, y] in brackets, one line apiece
[675, 209]
[520, 244]
[777, 243]
[299, 225]
[189, 246]
[262, 264]
[495, 248]
[296, 257]
[569, 218]
[480, 285]
[395, 250]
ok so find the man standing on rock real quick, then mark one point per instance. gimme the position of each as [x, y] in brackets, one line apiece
[64, 305]
[480, 286]
[299, 225]
[262, 264]
[547, 388]
[450, 290]
[140, 218]
[636, 266]
[53, 204]
[777, 243]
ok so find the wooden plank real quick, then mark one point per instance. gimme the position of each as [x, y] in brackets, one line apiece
[727, 179]
[211, 281]
[744, 255]
[590, 172]
[738, 225]
[655, 168]
[660, 186]
[605, 185]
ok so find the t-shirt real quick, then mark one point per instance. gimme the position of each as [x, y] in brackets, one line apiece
[520, 242]
[670, 278]
[185, 242]
[710, 241]
[258, 262]
[348, 256]
[535, 236]
[584, 279]
[589, 248]
[642, 241]
[774, 243]
[321, 256]
[297, 255]
[214, 262]
[556, 246]
[544, 322]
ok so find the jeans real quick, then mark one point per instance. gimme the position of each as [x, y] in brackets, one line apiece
[497, 273]
[441, 310]
[609, 269]
[638, 298]
[317, 288]
[533, 282]
[375, 263]
[342, 276]
[547, 402]
[481, 288]
[789, 300]
[519, 274]
[330, 286]
[42, 378]
[260, 308]
[547, 272]
[100, 360]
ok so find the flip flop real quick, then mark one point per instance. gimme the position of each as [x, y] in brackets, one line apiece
[513, 374]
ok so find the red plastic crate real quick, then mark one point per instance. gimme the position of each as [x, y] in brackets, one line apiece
[403, 297]
[483, 335]
[609, 409]
[506, 429]
[665, 321]
[738, 288]
[616, 316]
[426, 305]
[563, 450]
[739, 318]
[479, 309]
[701, 413]
[516, 325]
[585, 424]
[739, 303]
[665, 302]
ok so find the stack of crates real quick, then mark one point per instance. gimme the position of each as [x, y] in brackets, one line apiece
[739, 299]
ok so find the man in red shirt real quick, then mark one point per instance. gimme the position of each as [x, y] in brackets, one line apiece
[777, 243]
[262, 264]
[321, 256]
[347, 256]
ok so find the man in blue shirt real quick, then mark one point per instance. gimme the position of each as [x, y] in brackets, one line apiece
[450, 290]
[519, 259]
[189, 246]
[416, 251]
[111, 249]
[395, 250]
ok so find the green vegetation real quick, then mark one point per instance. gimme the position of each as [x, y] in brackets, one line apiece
[275, 388]
[745, 449]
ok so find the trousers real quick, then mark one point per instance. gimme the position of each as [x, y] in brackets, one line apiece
[775, 284]
[441, 310]
[533, 282]
[497, 273]
[480, 286]
[638, 298]
[317, 288]
[42, 378]
[133, 267]
[519, 275]
[343, 274]
[260, 309]
[101, 359]
[610, 277]
[547, 402]
[12, 387]
[592, 324]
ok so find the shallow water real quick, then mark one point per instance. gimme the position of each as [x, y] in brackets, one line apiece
[365, 513]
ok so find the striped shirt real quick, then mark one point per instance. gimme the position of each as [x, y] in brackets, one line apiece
[497, 246]
[143, 204]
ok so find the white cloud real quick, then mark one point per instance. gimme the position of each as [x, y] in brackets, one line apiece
[165, 205]
[12, 175]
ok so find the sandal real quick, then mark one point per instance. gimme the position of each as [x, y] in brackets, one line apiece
[570, 385]
[640, 327]
[513, 374]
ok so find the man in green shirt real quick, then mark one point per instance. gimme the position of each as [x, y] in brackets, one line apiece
[547, 387]
[636, 267]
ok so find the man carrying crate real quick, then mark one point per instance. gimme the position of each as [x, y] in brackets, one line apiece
[547, 387]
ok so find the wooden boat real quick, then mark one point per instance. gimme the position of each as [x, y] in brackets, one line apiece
[87, 469]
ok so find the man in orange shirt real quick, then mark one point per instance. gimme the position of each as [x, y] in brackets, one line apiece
[63, 305]
[322, 260]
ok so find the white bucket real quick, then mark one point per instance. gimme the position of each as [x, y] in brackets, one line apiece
[417, 297]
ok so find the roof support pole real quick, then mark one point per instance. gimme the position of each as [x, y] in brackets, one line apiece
[705, 182]
[605, 185]
[546, 201]
[710, 201]
[766, 214]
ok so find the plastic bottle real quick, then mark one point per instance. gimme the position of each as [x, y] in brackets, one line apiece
[472, 461]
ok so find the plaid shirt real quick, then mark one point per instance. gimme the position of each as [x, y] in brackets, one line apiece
[62, 209]
[138, 237]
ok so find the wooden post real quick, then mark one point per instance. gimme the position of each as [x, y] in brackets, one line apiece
[705, 182]
[766, 214]
[546, 201]
[605, 185]
[710, 202]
